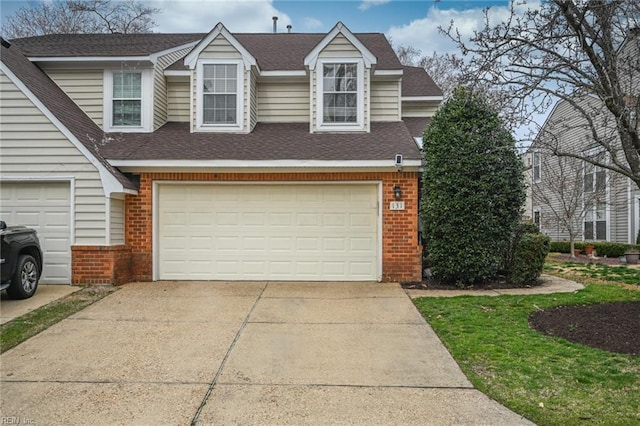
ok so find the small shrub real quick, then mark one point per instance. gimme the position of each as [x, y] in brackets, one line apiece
[638, 238]
[528, 228]
[610, 249]
[564, 246]
[528, 259]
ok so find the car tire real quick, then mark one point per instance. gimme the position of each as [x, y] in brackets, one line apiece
[25, 279]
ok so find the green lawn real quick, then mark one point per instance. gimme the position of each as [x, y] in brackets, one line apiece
[594, 272]
[20, 329]
[548, 380]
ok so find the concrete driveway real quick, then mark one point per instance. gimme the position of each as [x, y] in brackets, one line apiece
[182, 353]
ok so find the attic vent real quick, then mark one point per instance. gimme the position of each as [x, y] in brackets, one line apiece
[289, 28]
[275, 24]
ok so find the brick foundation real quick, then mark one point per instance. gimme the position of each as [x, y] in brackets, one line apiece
[401, 258]
[100, 264]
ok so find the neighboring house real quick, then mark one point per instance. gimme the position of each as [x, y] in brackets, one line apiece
[214, 156]
[566, 193]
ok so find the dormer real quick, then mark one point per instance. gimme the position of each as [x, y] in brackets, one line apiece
[340, 68]
[221, 82]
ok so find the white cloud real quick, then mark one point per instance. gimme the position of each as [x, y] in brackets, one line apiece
[312, 24]
[424, 34]
[252, 16]
[366, 4]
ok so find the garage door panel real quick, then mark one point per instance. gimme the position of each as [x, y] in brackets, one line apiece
[45, 207]
[275, 232]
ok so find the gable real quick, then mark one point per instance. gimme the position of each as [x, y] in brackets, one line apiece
[219, 30]
[220, 47]
[340, 47]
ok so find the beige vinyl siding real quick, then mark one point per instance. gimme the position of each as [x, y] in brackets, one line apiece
[385, 101]
[220, 48]
[160, 90]
[419, 108]
[283, 102]
[246, 107]
[116, 227]
[253, 115]
[340, 47]
[33, 147]
[178, 99]
[194, 100]
[85, 87]
[367, 99]
[619, 209]
[313, 93]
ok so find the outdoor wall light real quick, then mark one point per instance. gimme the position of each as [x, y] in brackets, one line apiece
[397, 192]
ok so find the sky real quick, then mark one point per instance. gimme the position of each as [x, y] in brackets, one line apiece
[406, 22]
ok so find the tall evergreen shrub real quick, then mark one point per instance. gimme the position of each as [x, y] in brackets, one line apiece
[473, 190]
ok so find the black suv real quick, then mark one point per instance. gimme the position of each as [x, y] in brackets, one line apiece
[20, 261]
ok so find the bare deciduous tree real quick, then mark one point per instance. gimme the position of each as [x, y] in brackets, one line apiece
[568, 194]
[568, 50]
[449, 71]
[79, 16]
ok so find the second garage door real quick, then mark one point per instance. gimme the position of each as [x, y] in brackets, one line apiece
[267, 232]
[44, 207]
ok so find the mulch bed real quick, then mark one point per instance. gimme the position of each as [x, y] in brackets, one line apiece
[614, 327]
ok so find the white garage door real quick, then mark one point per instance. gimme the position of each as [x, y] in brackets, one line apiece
[267, 232]
[44, 207]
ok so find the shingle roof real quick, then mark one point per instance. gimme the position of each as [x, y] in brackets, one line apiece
[56, 101]
[282, 51]
[273, 141]
[417, 125]
[98, 45]
[416, 82]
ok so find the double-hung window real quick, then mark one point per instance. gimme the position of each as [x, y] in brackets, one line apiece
[127, 100]
[220, 95]
[595, 199]
[340, 95]
[595, 221]
[219, 86]
[537, 167]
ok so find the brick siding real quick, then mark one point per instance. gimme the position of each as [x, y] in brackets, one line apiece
[401, 252]
[100, 264]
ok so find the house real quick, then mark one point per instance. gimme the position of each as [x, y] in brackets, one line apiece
[218, 156]
[570, 196]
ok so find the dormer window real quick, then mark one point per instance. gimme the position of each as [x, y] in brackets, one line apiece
[220, 95]
[127, 99]
[219, 87]
[340, 95]
[128, 103]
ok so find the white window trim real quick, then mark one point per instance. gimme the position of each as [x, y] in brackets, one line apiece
[146, 107]
[533, 167]
[607, 197]
[339, 127]
[200, 125]
[637, 203]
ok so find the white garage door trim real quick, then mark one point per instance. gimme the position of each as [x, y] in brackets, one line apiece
[45, 180]
[156, 211]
